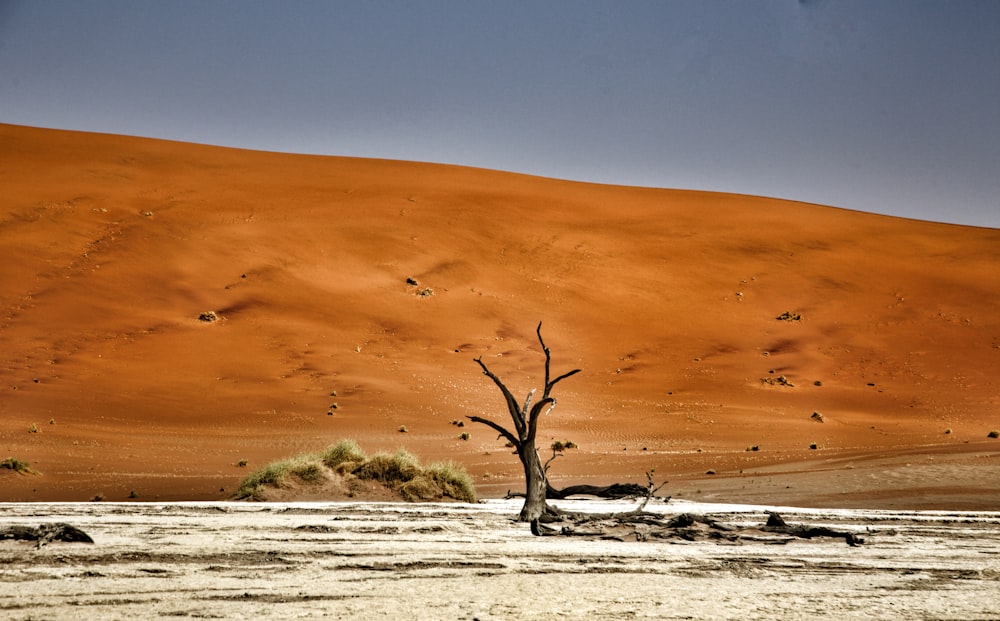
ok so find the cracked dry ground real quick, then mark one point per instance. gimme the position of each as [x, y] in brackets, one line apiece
[386, 560]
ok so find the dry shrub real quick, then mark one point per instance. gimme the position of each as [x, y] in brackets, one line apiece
[389, 470]
[420, 487]
[453, 480]
[12, 463]
[309, 470]
[561, 445]
[345, 452]
[306, 468]
[272, 475]
[400, 472]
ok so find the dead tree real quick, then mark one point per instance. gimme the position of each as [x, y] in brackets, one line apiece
[525, 418]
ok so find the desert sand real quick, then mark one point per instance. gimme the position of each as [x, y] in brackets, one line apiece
[112, 247]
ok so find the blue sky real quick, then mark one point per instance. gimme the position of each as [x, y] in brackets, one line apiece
[890, 106]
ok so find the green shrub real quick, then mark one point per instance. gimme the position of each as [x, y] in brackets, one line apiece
[400, 472]
[308, 469]
[343, 452]
[12, 463]
[453, 480]
[273, 475]
[420, 487]
[390, 470]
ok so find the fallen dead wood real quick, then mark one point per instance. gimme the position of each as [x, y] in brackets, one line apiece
[775, 524]
[640, 525]
[45, 533]
[615, 491]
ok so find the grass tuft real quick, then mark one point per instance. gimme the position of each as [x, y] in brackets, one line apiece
[453, 480]
[400, 471]
[561, 445]
[309, 469]
[389, 470]
[343, 452]
[12, 463]
[272, 475]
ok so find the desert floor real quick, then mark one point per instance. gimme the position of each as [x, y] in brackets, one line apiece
[452, 561]
[351, 297]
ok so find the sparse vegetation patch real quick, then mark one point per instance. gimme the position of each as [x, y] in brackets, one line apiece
[781, 380]
[561, 445]
[12, 463]
[345, 452]
[389, 469]
[399, 472]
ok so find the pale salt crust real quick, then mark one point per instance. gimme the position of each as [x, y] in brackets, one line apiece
[453, 561]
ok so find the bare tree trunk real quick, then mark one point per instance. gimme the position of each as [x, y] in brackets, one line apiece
[536, 485]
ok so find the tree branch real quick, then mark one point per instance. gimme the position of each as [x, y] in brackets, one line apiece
[548, 362]
[503, 432]
[527, 403]
[548, 357]
[548, 461]
[515, 410]
[561, 377]
[536, 412]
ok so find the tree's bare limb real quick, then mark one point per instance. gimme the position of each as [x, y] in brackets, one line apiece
[536, 412]
[527, 403]
[651, 490]
[499, 429]
[548, 357]
[562, 377]
[555, 454]
[548, 364]
[515, 410]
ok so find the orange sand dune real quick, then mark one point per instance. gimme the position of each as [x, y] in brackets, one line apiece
[111, 247]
